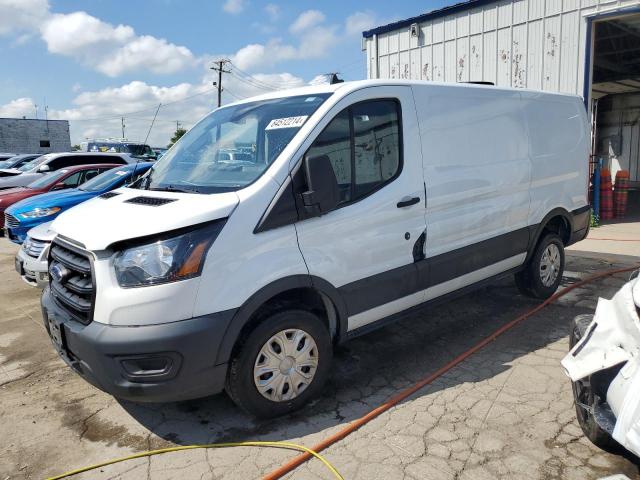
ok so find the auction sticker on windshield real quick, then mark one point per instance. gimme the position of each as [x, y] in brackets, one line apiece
[288, 122]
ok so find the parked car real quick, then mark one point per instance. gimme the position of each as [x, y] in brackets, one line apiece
[358, 201]
[135, 149]
[36, 168]
[32, 259]
[604, 366]
[160, 151]
[50, 205]
[17, 161]
[63, 179]
[5, 155]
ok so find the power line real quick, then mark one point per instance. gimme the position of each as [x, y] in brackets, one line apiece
[233, 94]
[152, 122]
[255, 85]
[272, 86]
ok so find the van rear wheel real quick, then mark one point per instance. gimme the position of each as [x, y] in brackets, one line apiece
[542, 275]
[281, 364]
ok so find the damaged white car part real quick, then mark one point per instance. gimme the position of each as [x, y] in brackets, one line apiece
[604, 365]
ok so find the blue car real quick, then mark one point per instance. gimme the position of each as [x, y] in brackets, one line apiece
[33, 211]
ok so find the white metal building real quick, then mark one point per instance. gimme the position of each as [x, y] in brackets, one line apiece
[585, 47]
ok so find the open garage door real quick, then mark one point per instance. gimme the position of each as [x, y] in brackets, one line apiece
[615, 93]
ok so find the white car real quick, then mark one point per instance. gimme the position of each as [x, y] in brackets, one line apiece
[604, 365]
[361, 200]
[31, 260]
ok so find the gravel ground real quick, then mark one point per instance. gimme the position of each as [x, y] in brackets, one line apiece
[506, 412]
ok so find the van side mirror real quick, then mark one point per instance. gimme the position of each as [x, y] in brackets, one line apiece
[323, 194]
[44, 169]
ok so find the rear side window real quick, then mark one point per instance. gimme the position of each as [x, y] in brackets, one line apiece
[72, 180]
[62, 162]
[364, 147]
[71, 160]
[102, 159]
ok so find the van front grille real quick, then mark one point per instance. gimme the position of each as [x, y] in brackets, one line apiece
[71, 281]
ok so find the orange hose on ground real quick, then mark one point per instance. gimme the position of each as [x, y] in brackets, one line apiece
[356, 424]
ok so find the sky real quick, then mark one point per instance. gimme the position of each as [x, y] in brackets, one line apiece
[93, 62]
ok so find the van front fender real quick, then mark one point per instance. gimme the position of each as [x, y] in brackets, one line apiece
[246, 312]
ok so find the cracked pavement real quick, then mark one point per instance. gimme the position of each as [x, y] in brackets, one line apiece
[505, 412]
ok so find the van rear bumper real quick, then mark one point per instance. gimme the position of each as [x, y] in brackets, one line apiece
[154, 363]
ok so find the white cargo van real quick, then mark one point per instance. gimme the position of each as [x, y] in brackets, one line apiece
[355, 202]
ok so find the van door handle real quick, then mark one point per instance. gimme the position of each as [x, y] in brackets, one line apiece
[407, 202]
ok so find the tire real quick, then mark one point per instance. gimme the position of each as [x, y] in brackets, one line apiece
[542, 275]
[583, 394]
[283, 383]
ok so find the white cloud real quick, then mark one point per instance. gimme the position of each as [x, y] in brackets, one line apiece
[315, 41]
[273, 11]
[359, 22]
[81, 34]
[112, 49]
[306, 20]
[233, 7]
[149, 53]
[21, 15]
[18, 108]
[256, 55]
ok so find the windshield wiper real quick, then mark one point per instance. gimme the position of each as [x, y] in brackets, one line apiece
[173, 188]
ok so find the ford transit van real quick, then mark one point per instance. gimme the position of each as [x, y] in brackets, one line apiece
[351, 204]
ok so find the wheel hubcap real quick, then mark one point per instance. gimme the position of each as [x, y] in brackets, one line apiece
[550, 265]
[286, 365]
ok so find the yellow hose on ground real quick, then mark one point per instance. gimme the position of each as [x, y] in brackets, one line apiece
[286, 445]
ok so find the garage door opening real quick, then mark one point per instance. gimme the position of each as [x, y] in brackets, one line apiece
[615, 94]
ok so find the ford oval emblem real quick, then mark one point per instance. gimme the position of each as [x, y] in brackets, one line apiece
[58, 272]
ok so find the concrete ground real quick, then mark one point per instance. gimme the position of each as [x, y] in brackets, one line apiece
[506, 412]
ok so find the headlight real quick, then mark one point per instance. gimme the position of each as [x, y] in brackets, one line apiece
[166, 260]
[40, 212]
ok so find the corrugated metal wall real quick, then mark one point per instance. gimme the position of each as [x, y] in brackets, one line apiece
[538, 44]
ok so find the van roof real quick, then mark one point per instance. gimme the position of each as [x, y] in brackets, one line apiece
[348, 87]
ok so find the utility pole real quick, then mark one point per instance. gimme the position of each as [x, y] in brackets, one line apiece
[219, 67]
[177, 125]
[122, 121]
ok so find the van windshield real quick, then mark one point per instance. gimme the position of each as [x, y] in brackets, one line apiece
[231, 147]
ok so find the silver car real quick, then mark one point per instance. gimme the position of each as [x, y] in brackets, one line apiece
[31, 260]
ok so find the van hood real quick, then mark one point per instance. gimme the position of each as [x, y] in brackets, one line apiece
[100, 222]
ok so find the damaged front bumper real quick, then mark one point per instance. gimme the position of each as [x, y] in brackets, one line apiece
[613, 340]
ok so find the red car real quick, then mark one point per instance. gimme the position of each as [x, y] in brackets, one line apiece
[69, 177]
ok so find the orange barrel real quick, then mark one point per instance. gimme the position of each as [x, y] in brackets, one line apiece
[620, 193]
[606, 195]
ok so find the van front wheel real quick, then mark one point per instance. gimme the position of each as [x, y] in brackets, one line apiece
[542, 275]
[281, 364]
